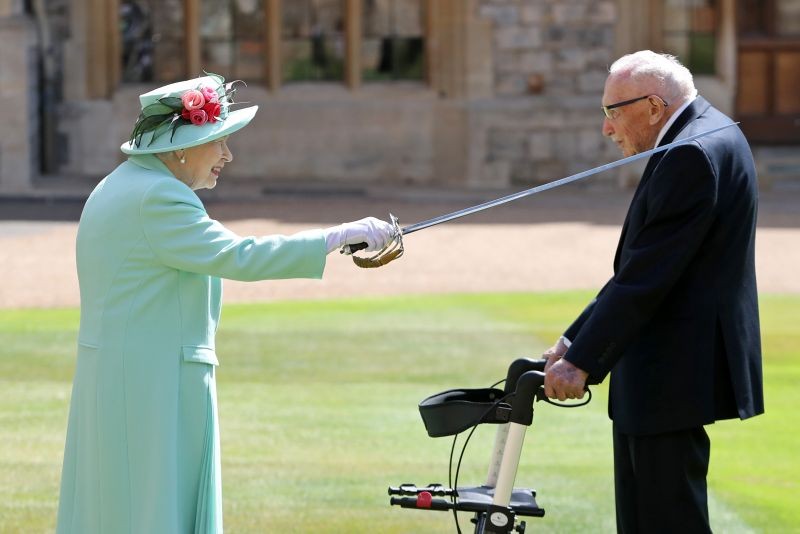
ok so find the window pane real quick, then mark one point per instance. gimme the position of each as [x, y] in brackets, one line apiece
[689, 33]
[152, 40]
[702, 53]
[752, 17]
[249, 25]
[231, 34]
[788, 18]
[393, 46]
[676, 20]
[407, 18]
[312, 41]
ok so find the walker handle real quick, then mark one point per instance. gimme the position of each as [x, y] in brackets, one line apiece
[518, 368]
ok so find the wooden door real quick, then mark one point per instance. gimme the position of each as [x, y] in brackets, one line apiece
[768, 96]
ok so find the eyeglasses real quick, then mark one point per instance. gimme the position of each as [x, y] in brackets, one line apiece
[608, 111]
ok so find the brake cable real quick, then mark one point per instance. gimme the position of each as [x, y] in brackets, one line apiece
[540, 396]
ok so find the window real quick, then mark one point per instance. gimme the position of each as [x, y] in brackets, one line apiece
[393, 46]
[231, 38]
[753, 19]
[688, 29]
[151, 37]
[769, 18]
[273, 41]
[788, 19]
[312, 40]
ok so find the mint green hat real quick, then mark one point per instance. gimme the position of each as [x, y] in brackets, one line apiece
[186, 114]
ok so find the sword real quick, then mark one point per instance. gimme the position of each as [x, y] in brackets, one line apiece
[349, 249]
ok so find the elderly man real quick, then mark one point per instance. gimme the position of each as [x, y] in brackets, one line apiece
[677, 325]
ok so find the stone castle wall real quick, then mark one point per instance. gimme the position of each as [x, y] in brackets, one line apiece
[521, 107]
[551, 58]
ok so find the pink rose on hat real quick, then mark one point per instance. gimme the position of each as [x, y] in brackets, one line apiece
[198, 117]
[193, 99]
[209, 94]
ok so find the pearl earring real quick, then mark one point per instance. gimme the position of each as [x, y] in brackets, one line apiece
[183, 158]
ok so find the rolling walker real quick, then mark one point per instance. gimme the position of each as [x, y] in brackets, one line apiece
[496, 504]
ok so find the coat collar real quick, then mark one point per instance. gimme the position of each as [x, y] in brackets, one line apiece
[153, 163]
[150, 162]
[698, 106]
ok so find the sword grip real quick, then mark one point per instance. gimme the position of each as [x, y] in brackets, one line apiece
[354, 248]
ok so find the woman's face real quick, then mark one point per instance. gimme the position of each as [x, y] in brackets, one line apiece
[204, 163]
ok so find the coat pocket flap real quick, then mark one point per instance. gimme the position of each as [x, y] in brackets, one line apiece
[200, 355]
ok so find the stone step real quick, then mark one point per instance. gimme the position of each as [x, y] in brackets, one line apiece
[778, 166]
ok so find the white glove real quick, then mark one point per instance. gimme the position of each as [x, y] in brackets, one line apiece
[374, 232]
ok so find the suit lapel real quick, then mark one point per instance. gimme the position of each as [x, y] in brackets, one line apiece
[698, 106]
[692, 111]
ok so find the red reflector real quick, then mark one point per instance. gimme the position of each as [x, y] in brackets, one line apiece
[424, 499]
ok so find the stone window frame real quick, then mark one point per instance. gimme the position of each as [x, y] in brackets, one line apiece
[658, 32]
[631, 35]
[104, 72]
[353, 35]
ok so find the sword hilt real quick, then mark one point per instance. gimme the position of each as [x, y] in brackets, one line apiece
[351, 249]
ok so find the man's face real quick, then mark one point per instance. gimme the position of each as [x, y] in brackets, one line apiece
[634, 127]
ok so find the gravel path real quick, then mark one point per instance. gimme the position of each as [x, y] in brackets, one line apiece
[558, 240]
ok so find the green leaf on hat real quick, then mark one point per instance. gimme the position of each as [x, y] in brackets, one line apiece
[162, 128]
[157, 108]
[178, 122]
[171, 101]
[144, 125]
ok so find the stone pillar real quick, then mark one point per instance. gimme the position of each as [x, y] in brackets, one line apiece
[461, 63]
[633, 29]
[19, 140]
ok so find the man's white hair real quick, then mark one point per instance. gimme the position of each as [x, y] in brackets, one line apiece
[670, 77]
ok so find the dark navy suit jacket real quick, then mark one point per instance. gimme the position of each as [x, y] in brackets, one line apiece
[677, 325]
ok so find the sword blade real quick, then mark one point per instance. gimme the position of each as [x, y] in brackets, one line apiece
[552, 185]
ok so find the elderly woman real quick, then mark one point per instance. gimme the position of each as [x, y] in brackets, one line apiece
[142, 451]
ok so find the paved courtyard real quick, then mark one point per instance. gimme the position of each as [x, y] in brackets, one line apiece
[556, 240]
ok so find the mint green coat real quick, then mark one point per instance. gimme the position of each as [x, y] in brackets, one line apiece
[142, 452]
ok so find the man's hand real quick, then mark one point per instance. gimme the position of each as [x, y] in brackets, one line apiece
[554, 353]
[562, 381]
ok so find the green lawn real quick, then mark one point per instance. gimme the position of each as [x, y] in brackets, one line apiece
[318, 407]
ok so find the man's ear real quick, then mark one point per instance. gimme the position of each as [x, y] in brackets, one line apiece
[656, 110]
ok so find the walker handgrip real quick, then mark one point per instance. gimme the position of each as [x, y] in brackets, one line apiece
[436, 490]
[519, 367]
[527, 386]
[411, 502]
